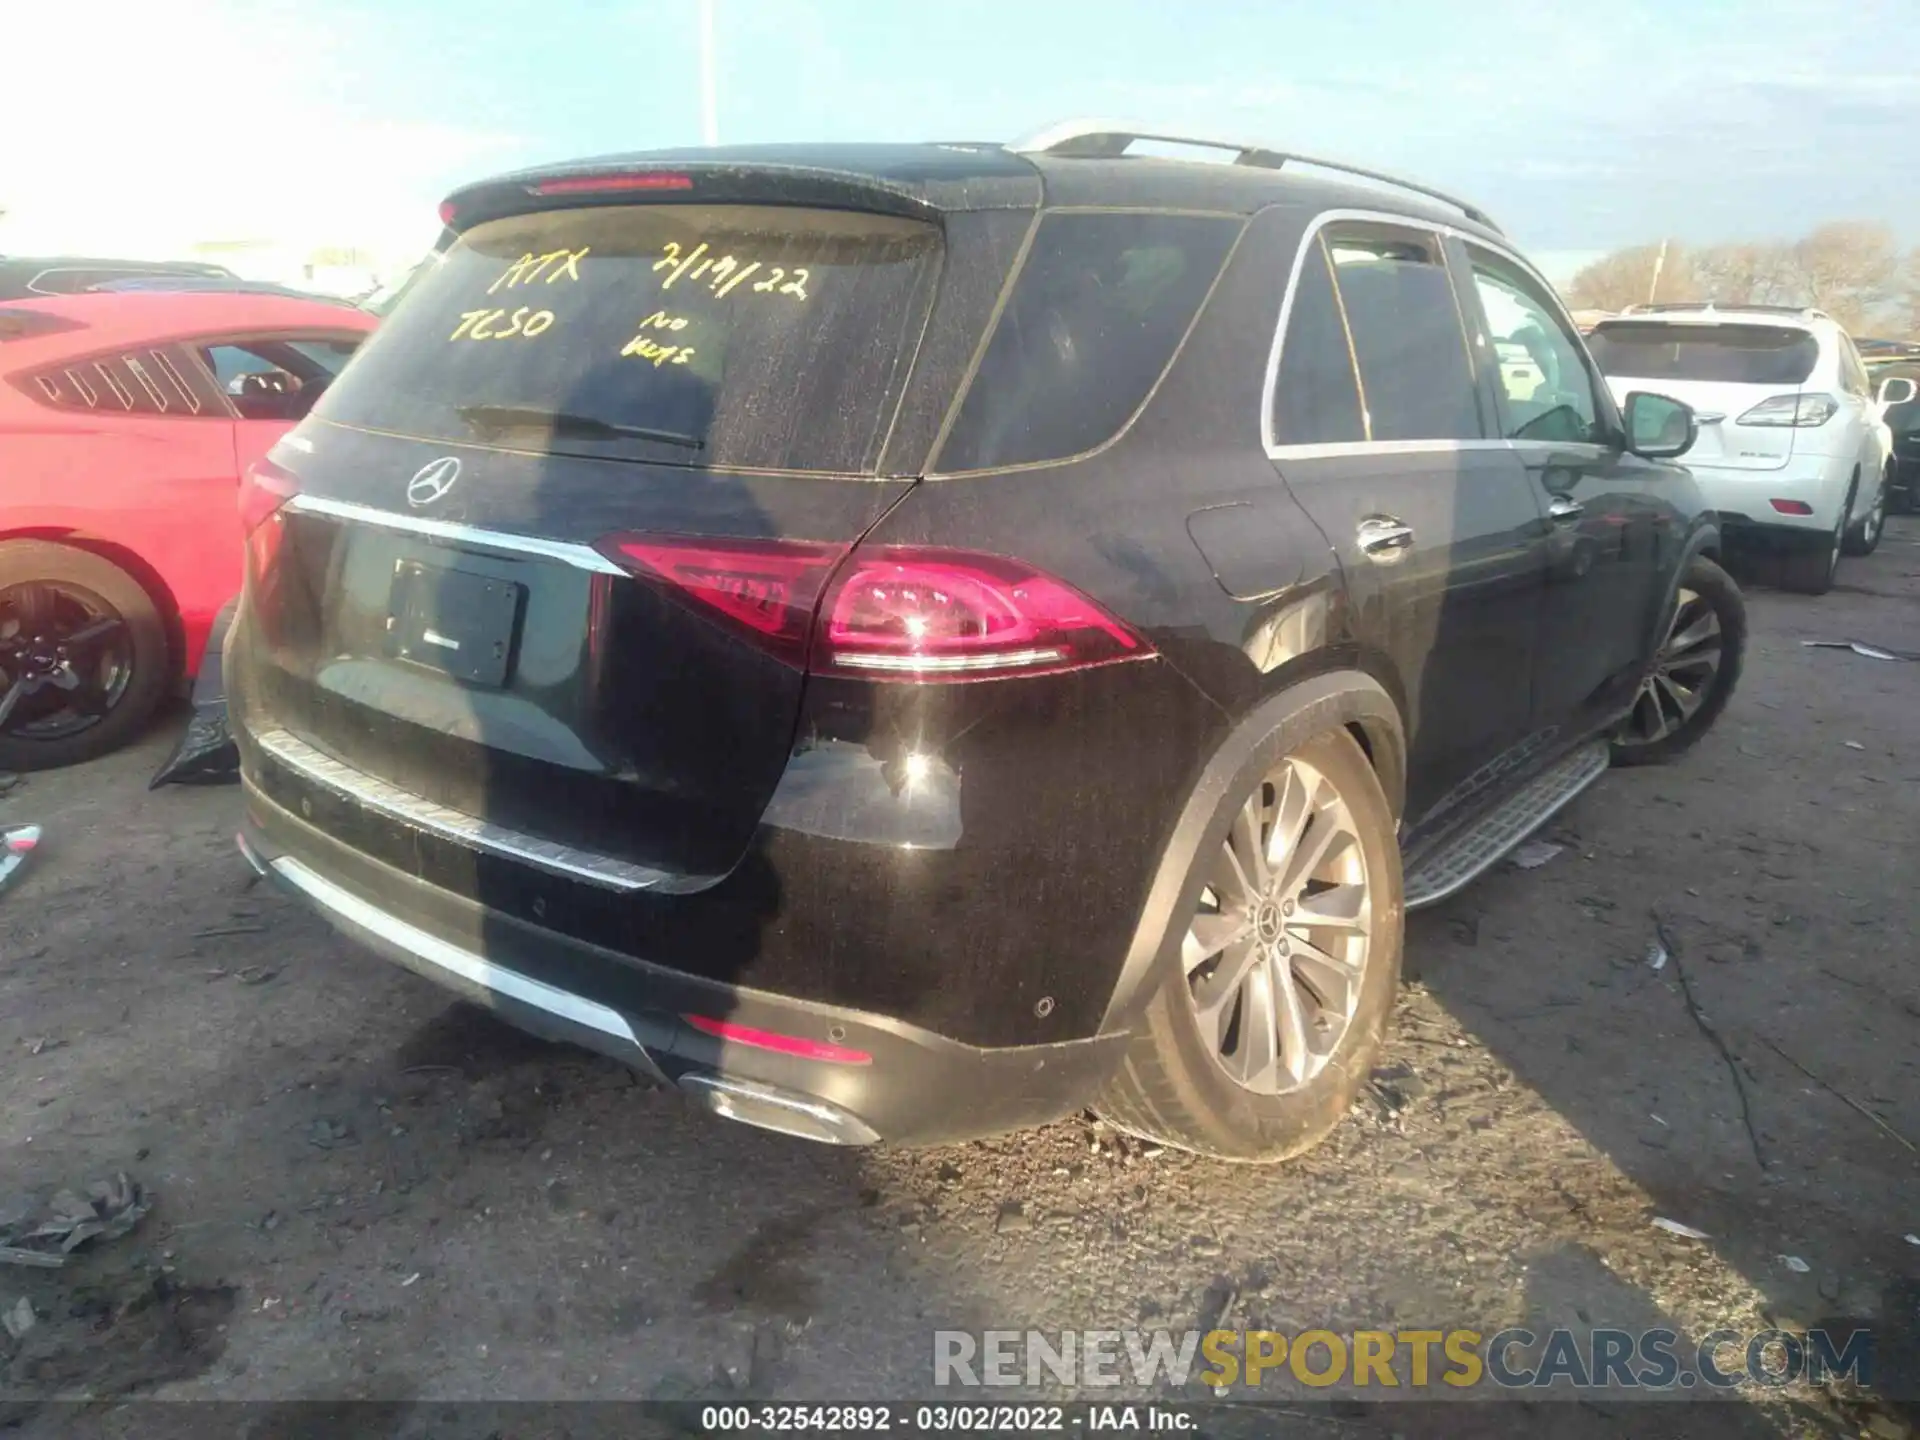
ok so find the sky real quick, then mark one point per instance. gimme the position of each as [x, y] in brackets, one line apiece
[1580, 125]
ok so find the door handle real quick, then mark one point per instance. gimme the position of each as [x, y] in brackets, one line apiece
[1384, 540]
[1563, 508]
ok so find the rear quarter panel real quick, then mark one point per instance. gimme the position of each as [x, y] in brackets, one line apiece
[155, 495]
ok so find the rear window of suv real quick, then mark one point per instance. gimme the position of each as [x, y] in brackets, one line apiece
[1731, 354]
[741, 337]
[1098, 309]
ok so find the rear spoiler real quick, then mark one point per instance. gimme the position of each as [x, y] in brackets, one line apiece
[680, 182]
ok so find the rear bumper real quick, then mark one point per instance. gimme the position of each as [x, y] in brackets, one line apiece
[916, 1087]
[1744, 498]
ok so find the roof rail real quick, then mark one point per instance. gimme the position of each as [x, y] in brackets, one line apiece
[1109, 140]
[1805, 312]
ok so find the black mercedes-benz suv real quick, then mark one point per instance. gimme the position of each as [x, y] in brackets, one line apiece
[904, 642]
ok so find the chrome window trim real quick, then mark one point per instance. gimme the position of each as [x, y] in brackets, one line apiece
[1419, 225]
[580, 557]
[461, 828]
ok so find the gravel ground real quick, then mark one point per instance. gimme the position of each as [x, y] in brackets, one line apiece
[365, 1191]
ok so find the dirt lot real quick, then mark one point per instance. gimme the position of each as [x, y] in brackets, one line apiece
[366, 1191]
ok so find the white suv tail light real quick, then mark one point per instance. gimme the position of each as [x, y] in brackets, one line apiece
[1802, 412]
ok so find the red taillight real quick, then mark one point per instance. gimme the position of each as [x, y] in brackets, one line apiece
[889, 613]
[264, 488]
[597, 184]
[910, 613]
[449, 212]
[766, 589]
[1792, 507]
[779, 1044]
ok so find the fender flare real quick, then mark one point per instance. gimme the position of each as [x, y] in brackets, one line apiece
[1279, 723]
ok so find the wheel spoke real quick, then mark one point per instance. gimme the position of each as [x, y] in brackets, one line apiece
[1321, 838]
[1685, 700]
[1296, 1056]
[1213, 994]
[1258, 1050]
[1210, 934]
[94, 631]
[1244, 845]
[1293, 808]
[16, 692]
[1331, 978]
[1339, 907]
[1707, 627]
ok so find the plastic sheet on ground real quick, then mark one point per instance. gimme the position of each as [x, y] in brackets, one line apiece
[206, 754]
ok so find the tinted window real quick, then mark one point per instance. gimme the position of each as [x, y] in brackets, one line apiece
[1733, 354]
[1904, 418]
[1415, 376]
[1315, 398]
[1546, 388]
[710, 335]
[1093, 320]
[1853, 375]
[276, 379]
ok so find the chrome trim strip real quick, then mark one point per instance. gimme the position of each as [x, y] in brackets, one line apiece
[1376, 447]
[581, 557]
[457, 825]
[432, 951]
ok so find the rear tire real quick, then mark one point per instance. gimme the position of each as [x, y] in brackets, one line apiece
[1694, 669]
[1812, 572]
[1177, 1084]
[141, 668]
[1864, 537]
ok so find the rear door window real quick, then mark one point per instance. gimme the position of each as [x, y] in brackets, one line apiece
[277, 378]
[1316, 400]
[1416, 373]
[1095, 316]
[1728, 354]
[731, 336]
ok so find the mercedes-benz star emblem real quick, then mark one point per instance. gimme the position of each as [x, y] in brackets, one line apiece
[433, 480]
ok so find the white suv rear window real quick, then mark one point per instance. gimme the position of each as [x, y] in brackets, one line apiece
[1729, 354]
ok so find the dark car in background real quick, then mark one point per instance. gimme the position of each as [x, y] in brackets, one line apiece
[1903, 419]
[904, 642]
[23, 277]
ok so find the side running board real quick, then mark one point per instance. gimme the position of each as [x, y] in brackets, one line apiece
[1465, 855]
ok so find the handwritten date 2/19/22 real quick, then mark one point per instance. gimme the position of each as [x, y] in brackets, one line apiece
[721, 273]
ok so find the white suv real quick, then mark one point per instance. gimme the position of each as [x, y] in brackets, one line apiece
[1793, 450]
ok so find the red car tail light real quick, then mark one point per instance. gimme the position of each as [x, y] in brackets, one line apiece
[890, 613]
[264, 488]
[764, 590]
[909, 613]
[1791, 507]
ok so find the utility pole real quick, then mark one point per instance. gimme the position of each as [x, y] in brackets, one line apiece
[1659, 264]
[709, 82]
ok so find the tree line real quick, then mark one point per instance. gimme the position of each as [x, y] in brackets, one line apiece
[1855, 270]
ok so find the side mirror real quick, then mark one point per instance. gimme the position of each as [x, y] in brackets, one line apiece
[1891, 394]
[1659, 427]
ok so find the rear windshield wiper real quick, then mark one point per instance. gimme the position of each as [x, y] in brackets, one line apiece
[565, 422]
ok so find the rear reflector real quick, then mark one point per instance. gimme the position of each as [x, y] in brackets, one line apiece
[598, 184]
[1792, 507]
[779, 1044]
[449, 212]
[892, 612]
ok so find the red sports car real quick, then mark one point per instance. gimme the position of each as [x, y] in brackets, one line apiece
[126, 421]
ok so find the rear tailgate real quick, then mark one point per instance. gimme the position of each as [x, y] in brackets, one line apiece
[443, 621]
[1723, 370]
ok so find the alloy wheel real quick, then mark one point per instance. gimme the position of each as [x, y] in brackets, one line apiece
[65, 660]
[1682, 674]
[1276, 955]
